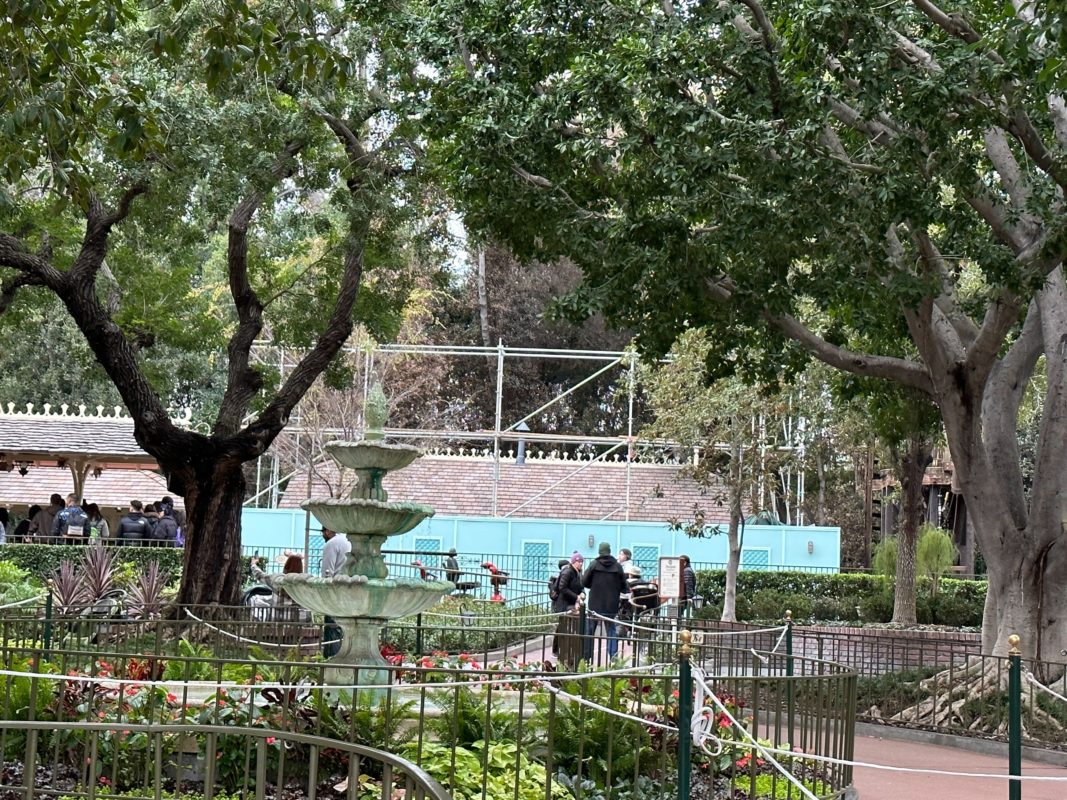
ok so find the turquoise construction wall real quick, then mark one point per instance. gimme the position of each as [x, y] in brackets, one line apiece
[765, 546]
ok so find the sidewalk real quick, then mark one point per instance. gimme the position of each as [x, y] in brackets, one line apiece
[875, 784]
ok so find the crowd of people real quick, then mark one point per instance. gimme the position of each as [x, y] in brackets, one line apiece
[74, 521]
[609, 588]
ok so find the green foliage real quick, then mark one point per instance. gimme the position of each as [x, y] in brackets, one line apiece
[16, 583]
[196, 667]
[935, 553]
[773, 787]
[835, 597]
[582, 738]
[505, 770]
[468, 717]
[884, 559]
[41, 560]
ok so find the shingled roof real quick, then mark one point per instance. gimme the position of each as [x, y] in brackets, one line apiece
[463, 486]
[113, 488]
[48, 436]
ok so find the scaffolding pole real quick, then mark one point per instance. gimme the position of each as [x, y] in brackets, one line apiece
[630, 432]
[496, 426]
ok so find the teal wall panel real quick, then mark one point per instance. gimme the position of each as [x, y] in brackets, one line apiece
[765, 546]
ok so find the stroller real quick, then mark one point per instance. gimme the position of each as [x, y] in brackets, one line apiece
[96, 621]
[643, 600]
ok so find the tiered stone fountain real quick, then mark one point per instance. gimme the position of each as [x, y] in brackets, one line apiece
[365, 598]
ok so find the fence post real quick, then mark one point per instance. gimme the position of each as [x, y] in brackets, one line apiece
[586, 652]
[789, 699]
[1015, 722]
[685, 715]
[48, 623]
[418, 634]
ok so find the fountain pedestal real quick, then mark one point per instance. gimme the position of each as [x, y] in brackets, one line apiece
[364, 597]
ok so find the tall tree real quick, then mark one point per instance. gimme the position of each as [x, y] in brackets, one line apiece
[728, 421]
[148, 155]
[789, 174]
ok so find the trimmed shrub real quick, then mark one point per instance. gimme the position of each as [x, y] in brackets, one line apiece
[763, 596]
[41, 560]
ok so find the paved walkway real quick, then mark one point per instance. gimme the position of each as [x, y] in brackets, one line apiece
[876, 784]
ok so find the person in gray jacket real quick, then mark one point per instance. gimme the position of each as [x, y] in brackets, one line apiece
[334, 555]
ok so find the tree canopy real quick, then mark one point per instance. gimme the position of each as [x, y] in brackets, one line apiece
[192, 178]
[796, 177]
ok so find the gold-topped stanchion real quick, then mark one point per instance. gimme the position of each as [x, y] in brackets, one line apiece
[685, 713]
[1015, 717]
[686, 638]
[789, 698]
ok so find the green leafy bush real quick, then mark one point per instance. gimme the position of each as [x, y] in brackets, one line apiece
[507, 772]
[41, 560]
[583, 737]
[763, 596]
[769, 604]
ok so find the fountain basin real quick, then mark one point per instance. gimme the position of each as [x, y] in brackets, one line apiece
[372, 517]
[374, 598]
[373, 455]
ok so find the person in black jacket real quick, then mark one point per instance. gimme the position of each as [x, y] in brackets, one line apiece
[569, 594]
[569, 585]
[166, 530]
[689, 584]
[133, 527]
[606, 583]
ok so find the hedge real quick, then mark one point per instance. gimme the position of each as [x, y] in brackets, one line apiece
[764, 596]
[41, 560]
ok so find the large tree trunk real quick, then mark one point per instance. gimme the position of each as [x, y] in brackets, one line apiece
[911, 465]
[1018, 536]
[211, 564]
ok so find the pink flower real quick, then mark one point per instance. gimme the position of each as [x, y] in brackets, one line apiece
[271, 740]
[171, 697]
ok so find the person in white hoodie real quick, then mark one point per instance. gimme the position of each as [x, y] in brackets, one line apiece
[334, 554]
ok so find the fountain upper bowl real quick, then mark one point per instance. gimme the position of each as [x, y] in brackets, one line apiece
[370, 517]
[371, 598]
[373, 455]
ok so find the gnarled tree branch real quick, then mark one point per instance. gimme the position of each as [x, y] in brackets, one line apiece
[258, 435]
[242, 381]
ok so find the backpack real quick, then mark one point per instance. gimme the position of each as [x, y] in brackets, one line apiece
[553, 587]
[77, 522]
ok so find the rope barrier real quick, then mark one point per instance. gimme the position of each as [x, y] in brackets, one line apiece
[1035, 682]
[699, 677]
[480, 681]
[621, 714]
[706, 634]
[705, 730]
[25, 602]
[256, 642]
[487, 616]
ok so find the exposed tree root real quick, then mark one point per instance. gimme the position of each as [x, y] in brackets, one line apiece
[974, 698]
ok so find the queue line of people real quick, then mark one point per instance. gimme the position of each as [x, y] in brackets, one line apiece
[73, 521]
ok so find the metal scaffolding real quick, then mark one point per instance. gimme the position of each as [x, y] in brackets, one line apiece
[605, 363]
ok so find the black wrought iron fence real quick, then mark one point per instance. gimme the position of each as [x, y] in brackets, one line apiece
[164, 724]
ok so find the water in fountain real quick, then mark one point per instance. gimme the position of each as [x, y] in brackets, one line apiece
[364, 597]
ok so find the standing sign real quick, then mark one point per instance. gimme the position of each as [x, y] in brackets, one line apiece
[670, 578]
